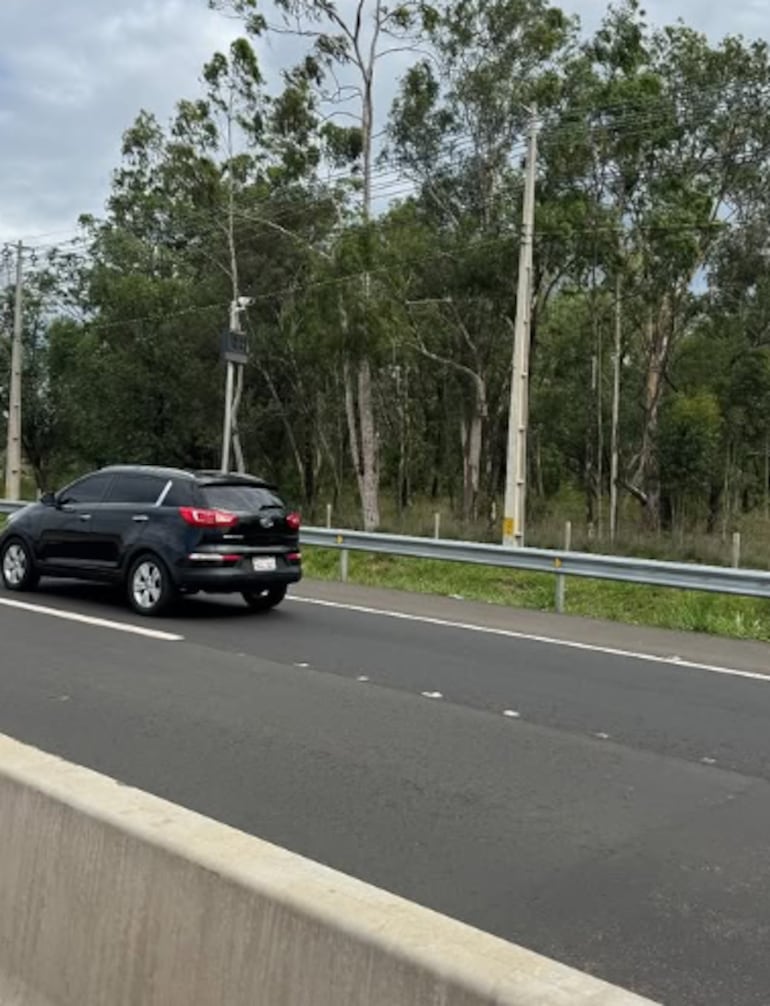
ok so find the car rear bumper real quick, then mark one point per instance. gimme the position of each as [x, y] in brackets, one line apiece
[225, 581]
[233, 578]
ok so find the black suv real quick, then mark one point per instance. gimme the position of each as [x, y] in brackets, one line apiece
[161, 532]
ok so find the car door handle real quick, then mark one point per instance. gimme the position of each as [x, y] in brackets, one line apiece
[85, 516]
[140, 518]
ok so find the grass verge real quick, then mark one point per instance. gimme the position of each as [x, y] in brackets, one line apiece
[718, 614]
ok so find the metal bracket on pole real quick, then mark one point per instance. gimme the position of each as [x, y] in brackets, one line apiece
[235, 352]
[227, 434]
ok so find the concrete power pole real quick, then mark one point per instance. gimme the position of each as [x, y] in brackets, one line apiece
[227, 434]
[514, 514]
[13, 450]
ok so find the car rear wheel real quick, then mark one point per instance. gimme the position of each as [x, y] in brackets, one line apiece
[18, 568]
[263, 600]
[150, 589]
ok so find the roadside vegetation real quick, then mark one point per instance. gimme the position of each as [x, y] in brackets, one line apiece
[735, 617]
[374, 233]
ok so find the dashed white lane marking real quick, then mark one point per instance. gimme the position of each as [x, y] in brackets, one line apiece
[602, 737]
[571, 644]
[511, 714]
[99, 623]
[362, 677]
[708, 761]
[303, 663]
[432, 695]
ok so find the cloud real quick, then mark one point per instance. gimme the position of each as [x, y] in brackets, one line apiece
[75, 73]
[73, 76]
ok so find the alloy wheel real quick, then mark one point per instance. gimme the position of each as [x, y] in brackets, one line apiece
[147, 585]
[14, 565]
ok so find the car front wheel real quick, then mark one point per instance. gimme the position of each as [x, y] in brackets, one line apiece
[150, 589]
[263, 600]
[18, 569]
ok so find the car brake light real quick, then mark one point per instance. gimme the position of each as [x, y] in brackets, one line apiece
[293, 521]
[198, 517]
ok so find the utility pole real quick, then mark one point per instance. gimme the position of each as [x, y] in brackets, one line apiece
[227, 433]
[13, 449]
[514, 514]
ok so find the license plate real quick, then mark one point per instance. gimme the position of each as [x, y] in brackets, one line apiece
[263, 563]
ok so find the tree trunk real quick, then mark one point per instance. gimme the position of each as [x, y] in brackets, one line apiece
[615, 429]
[370, 473]
[359, 410]
[472, 434]
[599, 424]
[647, 477]
[303, 465]
[402, 478]
[539, 479]
[588, 466]
[714, 503]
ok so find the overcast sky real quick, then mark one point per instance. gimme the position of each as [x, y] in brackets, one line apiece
[74, 73]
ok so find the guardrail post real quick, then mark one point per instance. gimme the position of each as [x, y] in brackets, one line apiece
[560, 580]
[436, 525]
[344, 565]
[328, 515]
[737, 549]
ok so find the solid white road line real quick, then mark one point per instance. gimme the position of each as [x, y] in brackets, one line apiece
[572, 644]
[100, 623]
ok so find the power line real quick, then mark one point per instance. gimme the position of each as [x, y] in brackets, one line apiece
[392, 178]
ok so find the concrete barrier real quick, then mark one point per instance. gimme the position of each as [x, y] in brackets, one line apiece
[112, 897]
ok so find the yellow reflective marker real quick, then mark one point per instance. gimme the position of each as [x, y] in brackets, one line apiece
[340, 539]
[557, 563]
[509, 526]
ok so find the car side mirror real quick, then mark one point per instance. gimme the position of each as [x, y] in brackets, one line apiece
[48, 499]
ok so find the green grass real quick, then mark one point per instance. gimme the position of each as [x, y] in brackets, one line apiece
[734, 617]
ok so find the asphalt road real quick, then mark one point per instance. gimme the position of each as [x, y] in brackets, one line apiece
[601, 796]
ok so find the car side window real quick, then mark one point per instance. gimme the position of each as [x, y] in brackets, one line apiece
[90, 489]
[136, 488]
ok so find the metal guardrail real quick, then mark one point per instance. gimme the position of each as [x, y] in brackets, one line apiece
[685, 576]
[682, 575]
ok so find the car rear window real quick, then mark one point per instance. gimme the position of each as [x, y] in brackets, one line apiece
[242, 499]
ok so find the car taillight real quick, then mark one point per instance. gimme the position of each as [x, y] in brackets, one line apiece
[198, 517]
[293, 521]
